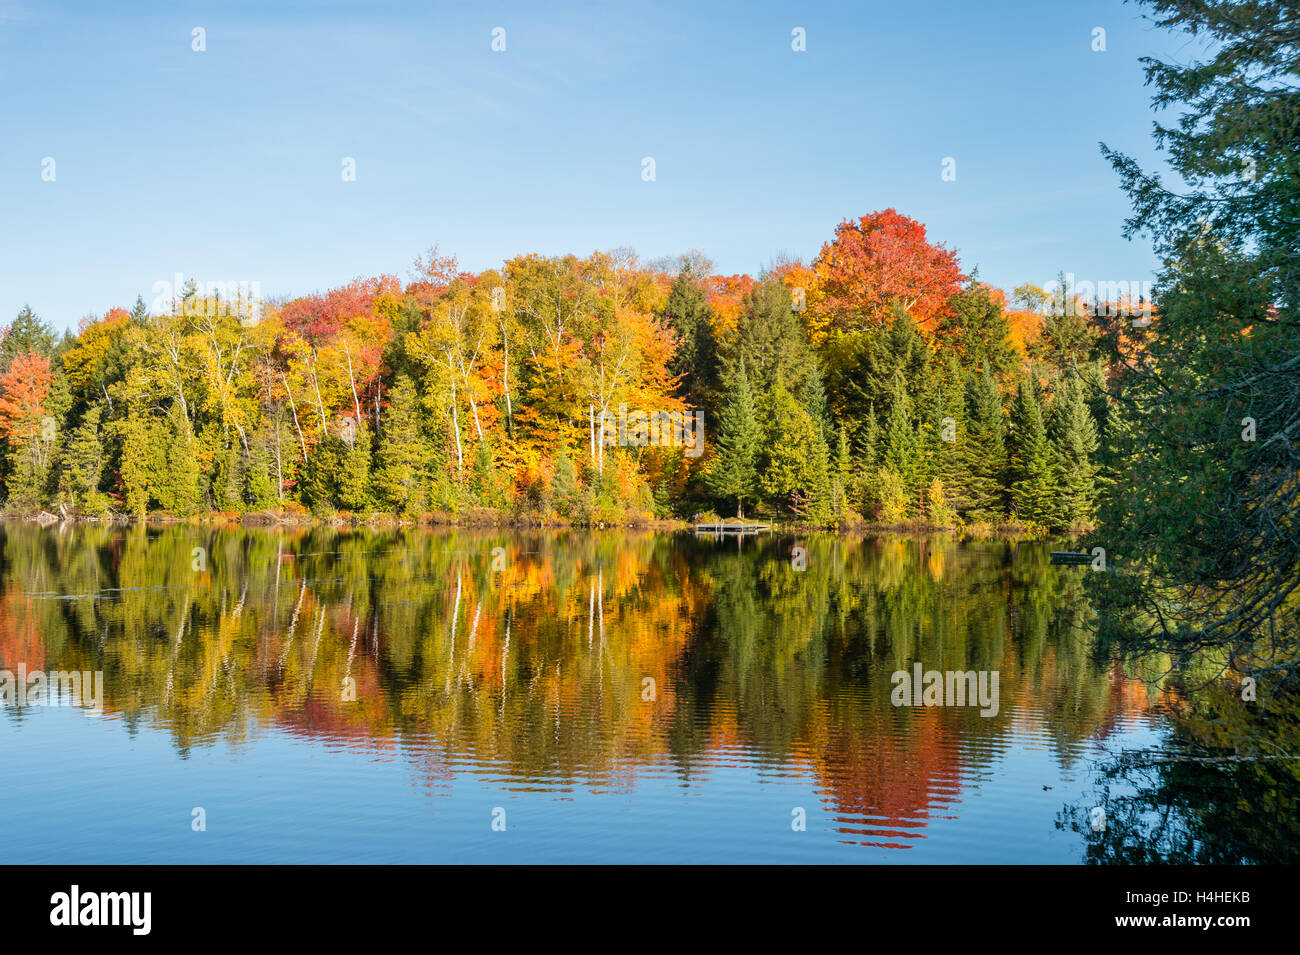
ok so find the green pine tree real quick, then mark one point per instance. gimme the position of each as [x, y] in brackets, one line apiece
[770, 338]
[484, 482]
[26, 333]
[814, 401]
[402, 466]
[869, 443]
[319, 475]
[135, 468]
[978, 329]
[564, 487]
[179, 482]
[260, 471]
[229, 486]
[1073, 435]
[984, 450]
[1033, 485]
[733, 472]
[794, 464]
[83, 465]
[949, 436]
[353, 482]
[900, 450]
[695, 360]
[842, 478]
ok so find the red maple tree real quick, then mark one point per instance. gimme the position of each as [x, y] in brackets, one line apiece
[880, 261]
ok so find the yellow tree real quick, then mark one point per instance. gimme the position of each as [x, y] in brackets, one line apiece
[551, 297]
[452, 346]
[624, 349]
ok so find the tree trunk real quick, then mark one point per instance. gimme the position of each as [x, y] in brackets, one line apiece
[279, 465]
[356, 402]
[505, 381]
[455, 424]
[600, 444]
[292, 408]
[320, 402]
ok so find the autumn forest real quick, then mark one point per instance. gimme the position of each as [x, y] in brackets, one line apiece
[402, 512]
[879, 384]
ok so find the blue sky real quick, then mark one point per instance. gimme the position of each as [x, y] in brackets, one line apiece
[226, 164]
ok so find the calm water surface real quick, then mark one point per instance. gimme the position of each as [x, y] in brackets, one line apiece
[620, 696]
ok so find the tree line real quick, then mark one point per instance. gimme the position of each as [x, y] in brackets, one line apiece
[878, 383]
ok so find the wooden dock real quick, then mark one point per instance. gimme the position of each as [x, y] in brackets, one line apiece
[1070, 557]
[731, 528]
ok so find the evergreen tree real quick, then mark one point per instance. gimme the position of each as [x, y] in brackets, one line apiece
[1033, 490]
[867, 374]
[484, 483]
[949, 436]
[815, 502]
[1208, 515]
[869, 443]
[25, 481]
[976, 326]
[319, 484]
[900, 450]
[1067, 340]
[230, 484]
[984, 450]
[402, 462]
[794, 463]
[353, 483]
[135, 468]
[26, 333]
[1073, 435]
[564, 487]
[733, 473]
[814, 401]
[178, 482]
[695, 359]
[83, 465]
[770, 338]
[260, 492]
[841, 477]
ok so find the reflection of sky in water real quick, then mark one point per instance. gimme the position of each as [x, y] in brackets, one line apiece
[91, 790]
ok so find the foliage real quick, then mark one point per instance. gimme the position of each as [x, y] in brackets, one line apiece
[1206, 498]
[558, 388]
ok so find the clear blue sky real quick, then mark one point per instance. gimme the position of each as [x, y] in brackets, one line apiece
[225, 164]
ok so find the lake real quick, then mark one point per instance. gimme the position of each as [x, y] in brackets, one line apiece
[316, 695]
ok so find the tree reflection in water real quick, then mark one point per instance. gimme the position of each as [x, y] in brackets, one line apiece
[558, 661]
[1224, 789]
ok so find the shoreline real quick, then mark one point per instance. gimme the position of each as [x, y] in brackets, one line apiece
[490, 520]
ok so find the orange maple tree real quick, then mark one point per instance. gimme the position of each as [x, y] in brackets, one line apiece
[726, 295]
[23, 389]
